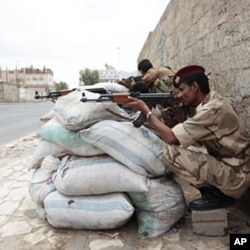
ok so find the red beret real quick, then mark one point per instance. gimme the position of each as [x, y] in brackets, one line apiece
[185, 72]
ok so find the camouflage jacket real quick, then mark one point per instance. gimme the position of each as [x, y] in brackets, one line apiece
[216, 126]
[153, 79]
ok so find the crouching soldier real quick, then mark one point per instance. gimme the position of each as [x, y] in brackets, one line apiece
[223, 173]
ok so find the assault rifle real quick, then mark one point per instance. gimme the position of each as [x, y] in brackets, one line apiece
[127, 82]
[151, 99]
[55, 94]
[132, 78]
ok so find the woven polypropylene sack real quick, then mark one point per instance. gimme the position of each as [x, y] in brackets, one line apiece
[97, 175]
[137, 148]
[97, 212]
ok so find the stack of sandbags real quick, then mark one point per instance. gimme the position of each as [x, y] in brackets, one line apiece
[91, 193]
[69, 115]
[60, 140]
[91, 166]
[163, 204]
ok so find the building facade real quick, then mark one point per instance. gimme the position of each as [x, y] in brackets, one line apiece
[28, 76]
[109, 74]
[19, 85]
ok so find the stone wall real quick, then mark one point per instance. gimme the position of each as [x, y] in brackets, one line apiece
[215, 34]
[28, 94]
[8, 92]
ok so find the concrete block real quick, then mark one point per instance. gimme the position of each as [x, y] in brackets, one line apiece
[211, 222]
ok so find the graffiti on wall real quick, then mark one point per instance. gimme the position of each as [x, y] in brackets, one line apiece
[162, 52]
[160, 46]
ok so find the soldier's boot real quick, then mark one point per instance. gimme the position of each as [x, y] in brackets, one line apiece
[211, 198]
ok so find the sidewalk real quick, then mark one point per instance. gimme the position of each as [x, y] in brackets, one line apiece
[22, 226]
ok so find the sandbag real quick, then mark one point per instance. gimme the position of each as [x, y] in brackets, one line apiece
[111, 87]
[137, 148]
[96, 175]
[160, 208]
[76, 115]
[70, 140]
[43, 149]
[107, 211]
[47, 116]
[41, 183]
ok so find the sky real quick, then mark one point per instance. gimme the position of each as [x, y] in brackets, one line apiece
[71, 35]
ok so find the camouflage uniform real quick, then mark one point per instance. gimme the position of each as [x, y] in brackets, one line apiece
[159, 80]
[226, 165]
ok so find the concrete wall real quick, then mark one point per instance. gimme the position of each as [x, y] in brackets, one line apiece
[11, 93]
[212, 33]
[28, 94]
[8, 92]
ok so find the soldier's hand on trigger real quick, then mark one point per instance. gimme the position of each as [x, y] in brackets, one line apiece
[167, 109]
[138, 105]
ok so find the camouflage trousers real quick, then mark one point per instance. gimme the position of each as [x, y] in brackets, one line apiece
[200, 168]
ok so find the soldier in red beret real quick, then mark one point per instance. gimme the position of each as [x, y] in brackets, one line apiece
[221, 171]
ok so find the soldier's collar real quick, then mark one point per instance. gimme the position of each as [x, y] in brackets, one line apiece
[209, 96]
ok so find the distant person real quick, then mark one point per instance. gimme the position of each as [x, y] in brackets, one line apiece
[158, 80]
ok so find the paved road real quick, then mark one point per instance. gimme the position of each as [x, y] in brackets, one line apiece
[21, 119]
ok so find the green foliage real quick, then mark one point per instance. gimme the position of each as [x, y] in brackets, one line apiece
[89, 77]
[61, 85]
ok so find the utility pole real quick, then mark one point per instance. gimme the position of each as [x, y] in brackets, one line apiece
[119, 63]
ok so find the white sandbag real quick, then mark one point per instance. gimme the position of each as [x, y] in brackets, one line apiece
[38, 190]
[137, 148]
[50, 163]
[53, 131]
[47, 116]
[41, 183]
[75, 115]
[107, 211]
[97, 175]
[112, 87]
[160, 208]
[43, 149]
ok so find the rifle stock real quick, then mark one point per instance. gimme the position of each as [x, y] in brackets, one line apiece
[151, 99]
[118, 98]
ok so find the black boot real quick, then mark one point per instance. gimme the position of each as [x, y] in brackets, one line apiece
[211, 198]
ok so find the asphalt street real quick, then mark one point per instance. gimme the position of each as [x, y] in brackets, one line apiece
[21, 119]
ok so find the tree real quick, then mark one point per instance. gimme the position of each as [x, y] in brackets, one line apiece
[61, 85]
[89, 77]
